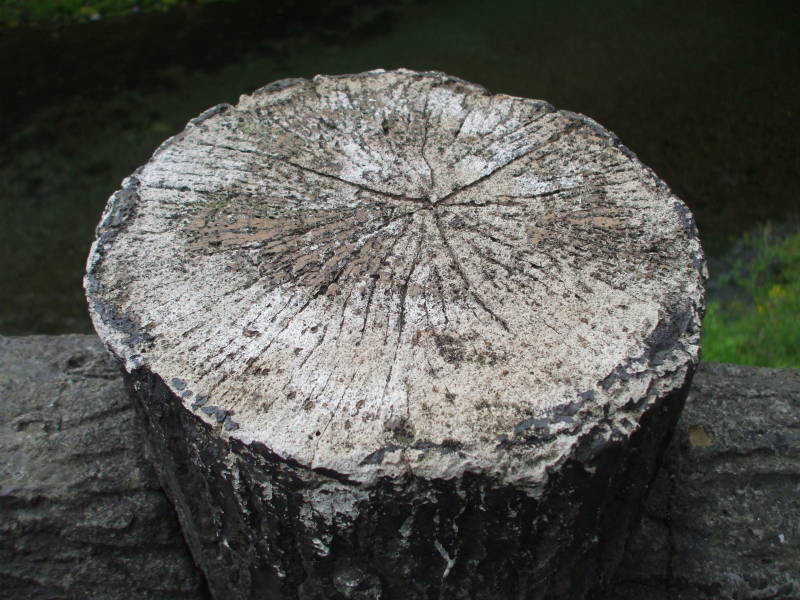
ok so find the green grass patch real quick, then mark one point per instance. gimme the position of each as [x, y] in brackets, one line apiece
[758, 321]
[15, 13]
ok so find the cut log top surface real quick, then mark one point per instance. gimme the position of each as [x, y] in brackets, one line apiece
[398, 272]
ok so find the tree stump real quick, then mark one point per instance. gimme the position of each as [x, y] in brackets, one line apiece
[395, 337]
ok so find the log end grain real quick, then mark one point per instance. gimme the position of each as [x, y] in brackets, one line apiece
[399, 271]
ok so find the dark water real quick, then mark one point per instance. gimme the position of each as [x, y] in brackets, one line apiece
[708, 94]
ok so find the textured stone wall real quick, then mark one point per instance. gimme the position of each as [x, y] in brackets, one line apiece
[723, 516]
[82, 515]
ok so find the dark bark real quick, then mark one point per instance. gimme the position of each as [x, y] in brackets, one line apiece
[504, 544]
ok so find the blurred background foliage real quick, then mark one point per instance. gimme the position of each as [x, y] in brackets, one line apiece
[16, 13]
[704, 93]
[753, 314]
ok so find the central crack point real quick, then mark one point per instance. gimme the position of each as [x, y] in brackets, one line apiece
[433, 198]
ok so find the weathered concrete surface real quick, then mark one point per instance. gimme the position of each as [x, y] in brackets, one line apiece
[360, 307]
[81, 513]
[700, 540]
[723, 518]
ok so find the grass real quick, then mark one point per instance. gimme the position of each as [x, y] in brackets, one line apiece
[754, 316]
[15, 13]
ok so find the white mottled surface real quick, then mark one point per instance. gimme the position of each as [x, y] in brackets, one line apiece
[376, 261]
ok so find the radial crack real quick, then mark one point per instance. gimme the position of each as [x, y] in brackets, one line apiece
[311, 170]
[462, 273]
[401, 319]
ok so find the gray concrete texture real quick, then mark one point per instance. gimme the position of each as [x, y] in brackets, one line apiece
[82, 514]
